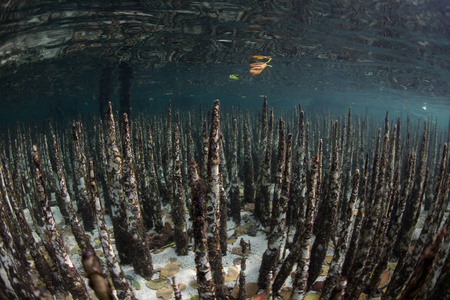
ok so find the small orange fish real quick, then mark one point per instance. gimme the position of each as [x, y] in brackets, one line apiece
[254, 26]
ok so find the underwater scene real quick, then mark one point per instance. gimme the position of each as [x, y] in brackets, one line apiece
[258, 149]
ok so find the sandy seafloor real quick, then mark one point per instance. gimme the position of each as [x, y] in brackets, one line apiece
[186, 274]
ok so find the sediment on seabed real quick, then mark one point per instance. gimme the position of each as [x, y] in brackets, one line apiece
[348, 205]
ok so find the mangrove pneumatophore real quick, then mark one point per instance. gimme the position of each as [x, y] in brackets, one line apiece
[367, 199]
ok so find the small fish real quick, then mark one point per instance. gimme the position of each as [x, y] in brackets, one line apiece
[234, 77]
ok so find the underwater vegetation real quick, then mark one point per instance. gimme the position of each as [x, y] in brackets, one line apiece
[374, 194]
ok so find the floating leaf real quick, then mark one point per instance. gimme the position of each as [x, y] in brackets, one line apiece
[170, 270]
[136, 285]
[181, 287]
[157, 283]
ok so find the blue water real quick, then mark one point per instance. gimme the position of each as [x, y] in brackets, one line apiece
[325, 55]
